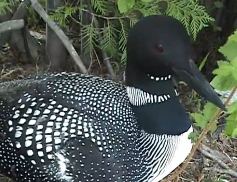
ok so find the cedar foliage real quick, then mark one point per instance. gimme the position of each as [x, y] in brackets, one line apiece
[109, 21]
[5, 5]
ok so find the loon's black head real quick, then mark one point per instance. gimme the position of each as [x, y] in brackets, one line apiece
[160, 46]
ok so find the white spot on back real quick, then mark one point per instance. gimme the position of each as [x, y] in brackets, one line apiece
[32, 122]
[36, 113]
[22, 121]
[18, 134]
[28, 143]
[29, 131]
[39, 146]
[48, 130]
[40, 154]
[10, 122]
[38, 137]
[30, 152]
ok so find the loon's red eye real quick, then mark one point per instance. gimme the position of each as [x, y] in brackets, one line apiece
[159, 48]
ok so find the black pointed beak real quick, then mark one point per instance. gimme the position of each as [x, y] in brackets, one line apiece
[190, 74]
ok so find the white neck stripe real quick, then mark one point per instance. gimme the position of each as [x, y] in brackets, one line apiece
[139, 97]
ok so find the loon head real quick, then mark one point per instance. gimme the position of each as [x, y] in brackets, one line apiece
[159, 47]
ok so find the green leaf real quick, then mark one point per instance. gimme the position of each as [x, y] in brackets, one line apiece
[223, 83]
[213, 126]
[202, 119]
[199, 120]
[193, 136]
[234, 68]
[229, 50]
[234, 133]
[226, 75]
[232, 108]
[209, 110]
[147, 1]
[225, 68]
[233, 37]
[125, 5]
[231, 121]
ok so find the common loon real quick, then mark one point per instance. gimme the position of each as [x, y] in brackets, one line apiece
[70, 127]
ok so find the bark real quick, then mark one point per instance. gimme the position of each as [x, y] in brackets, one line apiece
[21, 42]
[11, 25]
[5, 36]
[55, 50]
[19, 38]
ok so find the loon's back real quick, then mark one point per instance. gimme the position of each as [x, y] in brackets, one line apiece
[69, 127]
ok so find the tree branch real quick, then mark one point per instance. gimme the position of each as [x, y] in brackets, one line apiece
[65, 40]
[223, 171]
[206, 151]
[11, 25]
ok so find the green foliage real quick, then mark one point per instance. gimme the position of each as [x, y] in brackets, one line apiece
[125, 5]
[147, 1]
[190, 13]
[109, 21]
[226, 74]
[100, 6]
[63, 14]
[6, 5]
[108, 42]
[193, 16]
[89, 35]
[202, 119]
[231, 126]
[225, 80]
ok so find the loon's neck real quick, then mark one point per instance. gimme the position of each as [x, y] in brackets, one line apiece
[156, 106]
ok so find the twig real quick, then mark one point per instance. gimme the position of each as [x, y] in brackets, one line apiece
[222, 159]
[9, 73]
[65, 40]
[103, 17]
[223, 171]
[108, 65]
[201, 137]
[11, 25]
[210, 154]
